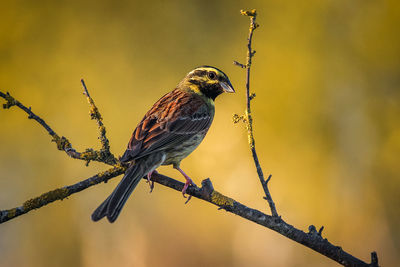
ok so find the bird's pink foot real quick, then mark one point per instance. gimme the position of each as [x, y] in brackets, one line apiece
[188, 182]
[185, 187]
[151, 183]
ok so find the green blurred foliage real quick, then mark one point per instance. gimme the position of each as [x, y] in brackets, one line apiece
[327, 111]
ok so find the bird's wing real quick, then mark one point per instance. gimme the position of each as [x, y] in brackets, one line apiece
[173, 119]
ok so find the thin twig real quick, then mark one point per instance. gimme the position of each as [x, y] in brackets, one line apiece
[104, 154]
[62, 143]
[239, 64]
[85, 90]
[11, 101]
[247, 118]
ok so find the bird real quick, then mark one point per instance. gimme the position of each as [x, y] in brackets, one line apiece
[174, 127]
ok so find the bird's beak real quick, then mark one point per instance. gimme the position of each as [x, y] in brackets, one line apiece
[227, 86]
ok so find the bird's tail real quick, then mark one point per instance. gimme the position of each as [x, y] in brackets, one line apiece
[111, 207]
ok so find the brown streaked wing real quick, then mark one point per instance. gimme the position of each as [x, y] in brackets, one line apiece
[173, 119]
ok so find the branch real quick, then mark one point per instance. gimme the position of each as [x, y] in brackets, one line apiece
[317, 243]
[207, 193]
[247, 118]
[63, 144]
[60, 194]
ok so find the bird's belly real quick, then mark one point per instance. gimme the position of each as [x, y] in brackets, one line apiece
[176, 154]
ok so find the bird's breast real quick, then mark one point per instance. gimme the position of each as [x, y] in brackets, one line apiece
[181, 151]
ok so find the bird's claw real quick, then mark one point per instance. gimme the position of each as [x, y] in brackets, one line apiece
[185, 187]
[189, 198]
[151, 183]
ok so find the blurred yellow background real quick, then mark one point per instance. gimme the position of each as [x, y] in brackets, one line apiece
[327, 112]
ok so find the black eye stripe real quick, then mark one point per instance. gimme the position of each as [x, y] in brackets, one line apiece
[210, 74]
[199, 73]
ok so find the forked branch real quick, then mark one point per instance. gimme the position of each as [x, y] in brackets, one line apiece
[103, 155]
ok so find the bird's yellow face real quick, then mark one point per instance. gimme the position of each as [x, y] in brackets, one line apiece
[208, 81]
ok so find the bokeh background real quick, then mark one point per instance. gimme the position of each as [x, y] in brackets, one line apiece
[326, 75]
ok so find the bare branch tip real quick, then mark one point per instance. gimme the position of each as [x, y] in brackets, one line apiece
[320, 230]
[312, 229]
[236, 63]
[374, 259]
[250, 13]
[10, 100]
[206, 183]
[86, 92]
[268, 179]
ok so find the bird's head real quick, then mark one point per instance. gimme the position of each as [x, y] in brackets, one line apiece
[208, 81]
